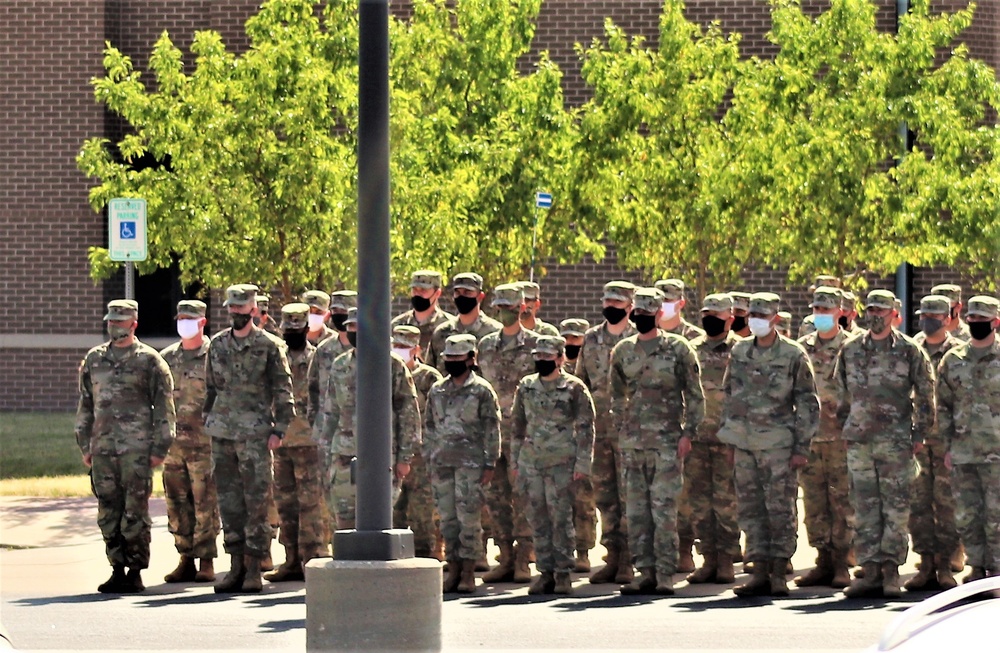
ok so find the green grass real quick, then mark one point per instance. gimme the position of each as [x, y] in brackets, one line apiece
[38, 444]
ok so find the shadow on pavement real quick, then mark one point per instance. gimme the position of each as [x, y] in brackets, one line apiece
[282, 599]
[188, 599]
[282, 626]
[74, 598]
[854, 605]
[723, 603]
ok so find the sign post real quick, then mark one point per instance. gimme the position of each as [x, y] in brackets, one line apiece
[127, 236]
[542, 201]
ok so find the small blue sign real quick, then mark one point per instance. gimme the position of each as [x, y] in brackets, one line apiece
[127, 230]
[543, 200]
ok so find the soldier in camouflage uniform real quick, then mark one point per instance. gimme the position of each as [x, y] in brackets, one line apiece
[340, 426]
[849, 316]
[658, 404]
[298, 491]
[414, 509]
[593, 368]
[784, 325]
[426, 314]
[265, 321]
[467, 289]
[552, 447]
[462, 444]
[807, 326]
[968, 413]
[932, 504]
[573, 331]
[504, 359]
[741, 307]
[124, 427]
[708, 469]
[319, 312]
[825, 494]
[248, 407]
[529, 316]
[188, 481]
[769, 414]
[887, 388]
[959, 329]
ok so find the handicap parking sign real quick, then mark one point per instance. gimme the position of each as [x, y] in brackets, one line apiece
[127, 229]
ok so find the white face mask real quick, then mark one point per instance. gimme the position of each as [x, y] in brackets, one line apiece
[759, 327]
[403, 352]
[188, 329]
[316, 322]
[669, 309]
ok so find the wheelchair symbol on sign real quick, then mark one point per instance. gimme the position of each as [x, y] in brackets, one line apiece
[127, 231]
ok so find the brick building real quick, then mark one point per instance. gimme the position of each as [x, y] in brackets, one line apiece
[52, 49]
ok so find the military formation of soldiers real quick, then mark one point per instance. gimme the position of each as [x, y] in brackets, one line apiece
[512, 429]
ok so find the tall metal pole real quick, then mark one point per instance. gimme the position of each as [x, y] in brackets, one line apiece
[904, 273]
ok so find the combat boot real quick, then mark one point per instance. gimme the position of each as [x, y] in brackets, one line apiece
[705, 573]
[289, 570]
[841, 572]
[252, 582]
[724, 572]
[644, 584]
[528, 544]
[544, 584]
[266, 563]
[467, 581]
[664, 584]
[759, 583]
[685, 561]
[625, 571]
[945, 576]
[232, 581]
[183, 573]
[454, 576]
[482, 564]
[926, 577]
[504, 573]
[206, 571]
[821, 574]
[890, 581]
[607, 573]
[522, 552]
[114, 584]
[133, 582]
[867, 585]
[779, 582]
[958, 558]
[582, 563]
[564, 585]
[977, 573]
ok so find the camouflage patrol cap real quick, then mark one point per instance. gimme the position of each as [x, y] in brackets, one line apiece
[241, 294]
[190, 308]
[951, 291]
[827, 280]
[554, 345]
[574, 326]
[426, 279]
[460, 344]
[405, 335]
[935, 305]
[848, 302]
[316, 299]
[508, 294]
[984, 305]
[295, 316]
[468, 280]
[765, 303]
[741, 300]
[619, 290]
[719, 302]
[881, 299]
[343, 299]
[530, 289]
[352, 316]
[263, 302]
[648, 299]
[122, 309]
[672, 289]
[827, 297]
[784, 320]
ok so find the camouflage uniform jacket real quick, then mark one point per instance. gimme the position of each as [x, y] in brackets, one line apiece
[657, 397]
[553, 424]
[126, 402]
[249, 386]
[462, 424]
[969, 403]
[188, 370]
[887, 388]
[299, 432]
[481, 327]
[686, 330]
[543, 328]
[713, 356]
[340, 410]
[322, 336]
[594, 365]
[962, 332]
[409, 318]
[504, 364]
[319, 378]
[424, 376]
[936, 354]
[771, 400]
[823, 355]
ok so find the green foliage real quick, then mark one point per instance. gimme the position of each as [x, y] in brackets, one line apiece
[38, 444]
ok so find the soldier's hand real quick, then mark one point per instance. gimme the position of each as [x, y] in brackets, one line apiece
[580, 476]
[402, 469]
[273, 442]
[917, 447]
[513, 473]
[87, 459]
[798, 461]
[683, 447]
[731, 456]
[155, 461]
[487, 477]
[947, 461]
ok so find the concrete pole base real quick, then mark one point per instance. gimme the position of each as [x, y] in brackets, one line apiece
[367, 605]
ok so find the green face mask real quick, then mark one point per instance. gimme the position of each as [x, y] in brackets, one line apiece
[508, 317]
[118, 332]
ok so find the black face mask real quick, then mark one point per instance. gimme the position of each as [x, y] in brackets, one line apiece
[739, 322]
[643, 323]
[337, 320]
[544, 367]
[296, 340]
[573, 351]
[842, 321]
[466, 305]
[456, 368]
[240, 320]
[714, 326]
[614, 315]
[980, 330]
[420, 304]
[352, 337]
[930, 325]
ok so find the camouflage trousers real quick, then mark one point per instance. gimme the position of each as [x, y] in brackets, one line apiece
[192, 501]
[584, 514]
[932, 505]
[609, 490]
[766, 491]
[343, 501]
[506, 504]
[459, 496]
[881, 474]
[298, 494]
[977, 495]
[414, 509]
[122, 485]
[653, 481]
[829, 518]
[242, 471]
[711, 496]
[550, 511]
